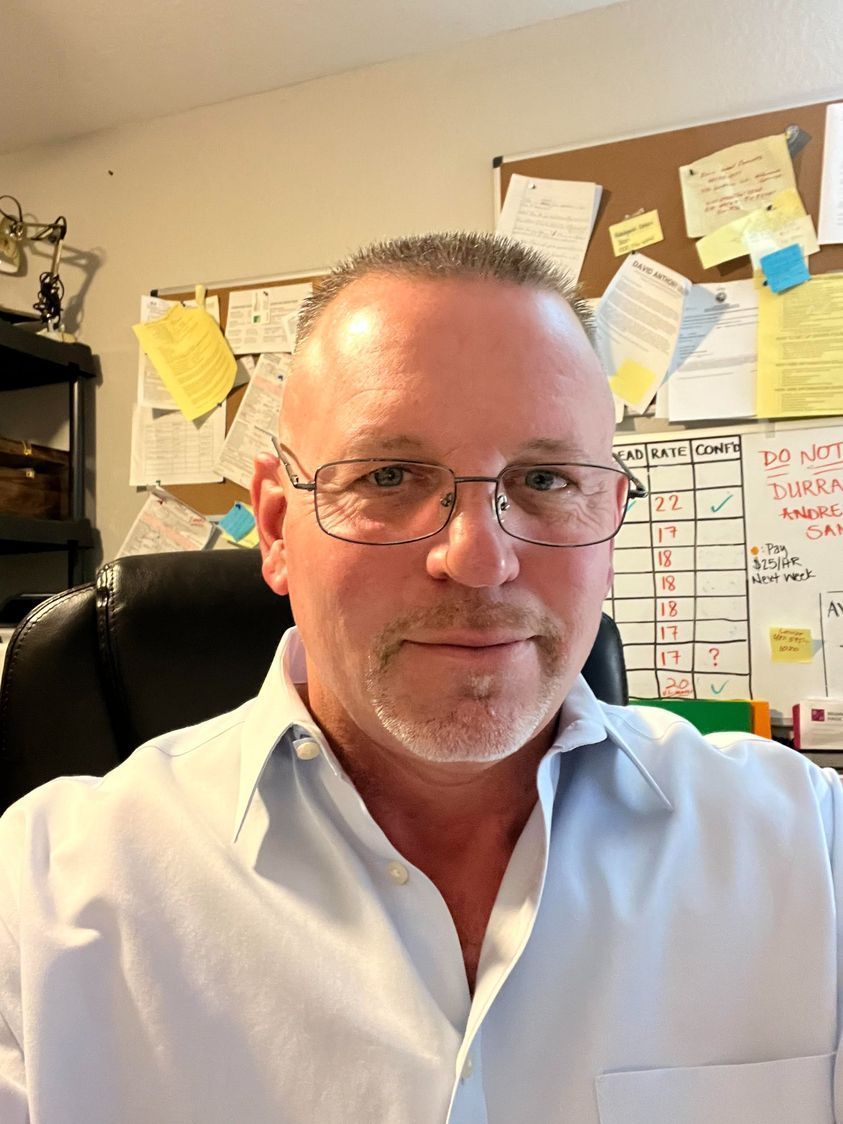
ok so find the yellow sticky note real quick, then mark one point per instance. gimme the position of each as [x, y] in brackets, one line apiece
[632, 381]
[791, 645]
[635, 233]
[189, 352]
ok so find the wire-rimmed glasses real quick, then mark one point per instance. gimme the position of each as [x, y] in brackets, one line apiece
[387, 501]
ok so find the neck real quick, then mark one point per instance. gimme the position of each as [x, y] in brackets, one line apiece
[439, 812]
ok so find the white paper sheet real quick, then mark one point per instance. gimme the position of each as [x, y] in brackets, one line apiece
[166, 524]
[151, 389]
[637, 326]
[258, 318]
[256, 419]
[831, 192]
[553, 216]
[717, 354]
[169, 449]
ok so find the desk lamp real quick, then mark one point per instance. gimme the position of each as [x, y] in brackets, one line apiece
[13, 231]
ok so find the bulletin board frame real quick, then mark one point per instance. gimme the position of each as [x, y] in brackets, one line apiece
[217, 498]
[642, 173]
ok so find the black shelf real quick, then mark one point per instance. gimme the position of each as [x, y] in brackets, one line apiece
[27, 359]
[20, 534]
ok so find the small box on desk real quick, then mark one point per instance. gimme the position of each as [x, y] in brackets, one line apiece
[818, 725]
[34, 480]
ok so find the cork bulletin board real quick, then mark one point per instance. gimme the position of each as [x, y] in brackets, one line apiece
[216, 499]
[642, 173]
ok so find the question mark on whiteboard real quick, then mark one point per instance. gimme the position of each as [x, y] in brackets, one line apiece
[715, 655]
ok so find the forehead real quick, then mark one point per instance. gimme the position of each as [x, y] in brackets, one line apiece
[442, 357]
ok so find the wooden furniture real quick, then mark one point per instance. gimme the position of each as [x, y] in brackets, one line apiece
[28, 360]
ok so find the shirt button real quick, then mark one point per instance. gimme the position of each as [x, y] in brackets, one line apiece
[307, 750]
[398, 873]
[467, 1069]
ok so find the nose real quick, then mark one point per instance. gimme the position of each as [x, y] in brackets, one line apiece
[473, 549]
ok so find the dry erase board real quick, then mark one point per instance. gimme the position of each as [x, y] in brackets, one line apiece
[643, 173]
[216, 499]
[741, 533]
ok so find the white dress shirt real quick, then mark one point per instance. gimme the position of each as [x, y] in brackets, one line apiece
[218, 932]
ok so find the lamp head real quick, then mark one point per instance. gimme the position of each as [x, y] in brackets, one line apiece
[10, 255]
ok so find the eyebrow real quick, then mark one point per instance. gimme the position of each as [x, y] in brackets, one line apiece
[552, 447]
[366, 439]
[369, 438]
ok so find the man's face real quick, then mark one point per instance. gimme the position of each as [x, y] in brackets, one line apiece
[461, 646]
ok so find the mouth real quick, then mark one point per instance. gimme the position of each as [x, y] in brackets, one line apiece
[477, 651]
[469, 640]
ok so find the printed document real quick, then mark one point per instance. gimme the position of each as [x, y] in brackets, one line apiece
[831, 191]
[260, 319]
[553, 216]
[733, 181]
[169, 449]
[800, 349]
[637, 328]
[166, 524]
[255, 421]
[151, 388]
[716, 357]
[188, 351]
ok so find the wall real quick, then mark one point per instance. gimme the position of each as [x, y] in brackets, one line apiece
[290, 180]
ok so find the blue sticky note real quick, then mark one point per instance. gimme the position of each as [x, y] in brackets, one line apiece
[785, 268]
[237, 522]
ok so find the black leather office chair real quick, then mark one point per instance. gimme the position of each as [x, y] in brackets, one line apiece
[155, 643]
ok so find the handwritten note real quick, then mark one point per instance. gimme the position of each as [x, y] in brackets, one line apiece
[237, 522]
[635, 233]
[791, 645]
[734, 181]
[553, 216]
[785, 268]
[782, 222]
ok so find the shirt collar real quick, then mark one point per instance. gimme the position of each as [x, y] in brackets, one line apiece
[279, 713]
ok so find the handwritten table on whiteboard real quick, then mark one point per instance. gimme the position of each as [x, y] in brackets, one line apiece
[742, 531]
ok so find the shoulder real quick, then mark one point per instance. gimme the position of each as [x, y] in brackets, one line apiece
[161, 778]
[736, 772]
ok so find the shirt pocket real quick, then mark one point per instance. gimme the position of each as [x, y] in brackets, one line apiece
[789, 1091]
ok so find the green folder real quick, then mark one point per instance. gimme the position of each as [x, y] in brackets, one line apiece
[708, 715]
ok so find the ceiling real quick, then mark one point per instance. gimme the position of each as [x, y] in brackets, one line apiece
[72, 68]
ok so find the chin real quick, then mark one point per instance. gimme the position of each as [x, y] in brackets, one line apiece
[472, 729]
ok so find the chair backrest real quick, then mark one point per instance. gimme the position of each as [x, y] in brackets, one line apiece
[155, 643]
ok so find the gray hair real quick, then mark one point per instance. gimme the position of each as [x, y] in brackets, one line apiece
[450, 254]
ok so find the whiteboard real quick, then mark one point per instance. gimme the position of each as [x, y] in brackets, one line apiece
[742, 532]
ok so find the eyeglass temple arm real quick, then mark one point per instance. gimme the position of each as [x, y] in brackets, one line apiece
[638, 491]
[279, 452]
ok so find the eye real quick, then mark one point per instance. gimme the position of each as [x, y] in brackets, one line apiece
[388, 476]
[545, 480]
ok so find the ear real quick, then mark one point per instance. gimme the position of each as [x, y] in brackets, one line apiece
[270, 507]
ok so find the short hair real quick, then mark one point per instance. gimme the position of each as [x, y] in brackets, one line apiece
[445, 255]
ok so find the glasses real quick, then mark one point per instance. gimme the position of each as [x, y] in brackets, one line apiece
[381, 501]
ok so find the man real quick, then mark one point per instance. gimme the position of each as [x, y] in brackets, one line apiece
[425, 876]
